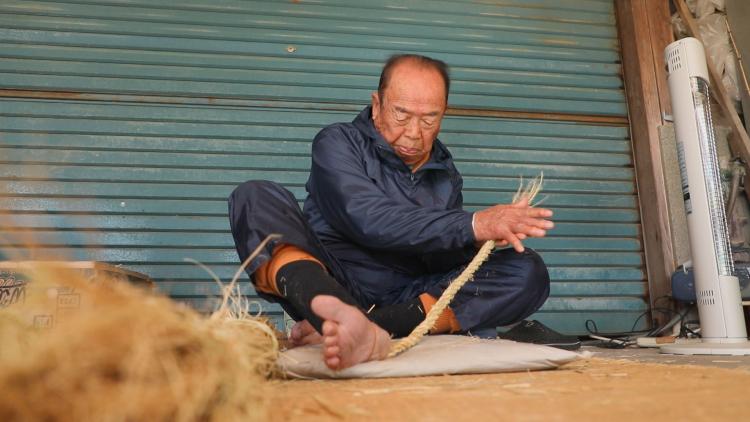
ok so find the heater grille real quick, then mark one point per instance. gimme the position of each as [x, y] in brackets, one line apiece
[701, 102]
[706, 297]
[673, 60]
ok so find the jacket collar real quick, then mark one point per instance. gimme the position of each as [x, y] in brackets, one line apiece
[439, 157]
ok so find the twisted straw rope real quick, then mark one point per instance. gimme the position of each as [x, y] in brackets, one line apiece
[406, 343]
[467, 274]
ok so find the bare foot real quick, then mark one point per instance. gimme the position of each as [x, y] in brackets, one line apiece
[304, 333]
[349, 337]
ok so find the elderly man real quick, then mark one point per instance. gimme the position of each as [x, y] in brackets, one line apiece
[383, 232]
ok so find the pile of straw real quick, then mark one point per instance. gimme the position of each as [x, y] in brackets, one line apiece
[127, 355]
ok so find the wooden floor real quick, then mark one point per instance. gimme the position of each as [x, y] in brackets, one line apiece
[593, 389]
[652, 355]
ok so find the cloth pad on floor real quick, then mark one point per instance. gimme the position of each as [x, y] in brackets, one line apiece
[435, 355]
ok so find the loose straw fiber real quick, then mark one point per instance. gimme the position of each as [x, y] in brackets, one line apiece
[527, 193]
[128, 355]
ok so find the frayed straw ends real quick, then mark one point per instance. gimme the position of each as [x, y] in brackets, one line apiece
[529, 191]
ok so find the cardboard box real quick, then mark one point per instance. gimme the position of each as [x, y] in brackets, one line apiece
[60, 300]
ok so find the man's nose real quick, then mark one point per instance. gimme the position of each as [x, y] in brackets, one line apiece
[412, 129]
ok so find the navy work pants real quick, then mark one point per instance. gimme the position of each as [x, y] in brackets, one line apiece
[507, 288]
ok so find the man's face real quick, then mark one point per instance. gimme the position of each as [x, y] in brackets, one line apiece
[410, 113]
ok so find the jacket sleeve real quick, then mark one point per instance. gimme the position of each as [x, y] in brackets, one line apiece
[357, 207]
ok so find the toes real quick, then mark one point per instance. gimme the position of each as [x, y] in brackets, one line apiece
[333, 362]
[349, 337]
[330, 329]
[329, 341]
[331, 352]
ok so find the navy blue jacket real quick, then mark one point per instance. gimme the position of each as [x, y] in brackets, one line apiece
[384, 224]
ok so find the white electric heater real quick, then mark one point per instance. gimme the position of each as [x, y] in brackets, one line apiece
[717, 289]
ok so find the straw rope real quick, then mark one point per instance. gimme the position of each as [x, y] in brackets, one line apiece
[467, 274]
[528, 193]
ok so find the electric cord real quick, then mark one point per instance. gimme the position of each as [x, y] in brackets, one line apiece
[619, 340]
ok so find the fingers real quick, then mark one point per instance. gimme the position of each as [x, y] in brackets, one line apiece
[530, 231]
[539, 212]
[531, 210]
[546, 225]
[526, 211]
[514, 235]
[514, 241]
[518, 220]
[532, 227]
[521, 202]
[535, 223]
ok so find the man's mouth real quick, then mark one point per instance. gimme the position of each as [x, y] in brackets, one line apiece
[408, 151]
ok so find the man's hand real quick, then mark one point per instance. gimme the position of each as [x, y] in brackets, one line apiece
[510, 224]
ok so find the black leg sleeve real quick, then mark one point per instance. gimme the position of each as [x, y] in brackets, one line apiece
[400, 319]
[300, 281]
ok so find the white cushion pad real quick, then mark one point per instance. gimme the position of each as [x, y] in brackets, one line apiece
[435, 355]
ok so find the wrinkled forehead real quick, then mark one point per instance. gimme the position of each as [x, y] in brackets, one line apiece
[416, 83]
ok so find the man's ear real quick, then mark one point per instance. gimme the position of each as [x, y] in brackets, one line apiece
[375, 104]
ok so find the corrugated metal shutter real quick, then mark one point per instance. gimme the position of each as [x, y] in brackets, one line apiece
[125, 124]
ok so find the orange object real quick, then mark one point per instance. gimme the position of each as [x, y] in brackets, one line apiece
[446, 322]
[265, 276]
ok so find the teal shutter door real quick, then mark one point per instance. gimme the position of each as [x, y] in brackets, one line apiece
[124, 126]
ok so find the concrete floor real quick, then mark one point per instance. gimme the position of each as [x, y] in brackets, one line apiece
[652, 355]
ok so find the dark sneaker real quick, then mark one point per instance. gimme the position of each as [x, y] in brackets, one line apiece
[538, 333]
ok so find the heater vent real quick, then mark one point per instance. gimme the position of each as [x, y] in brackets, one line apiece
[706, 297]
[674, 61]
[706, 293]
[707, 301]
